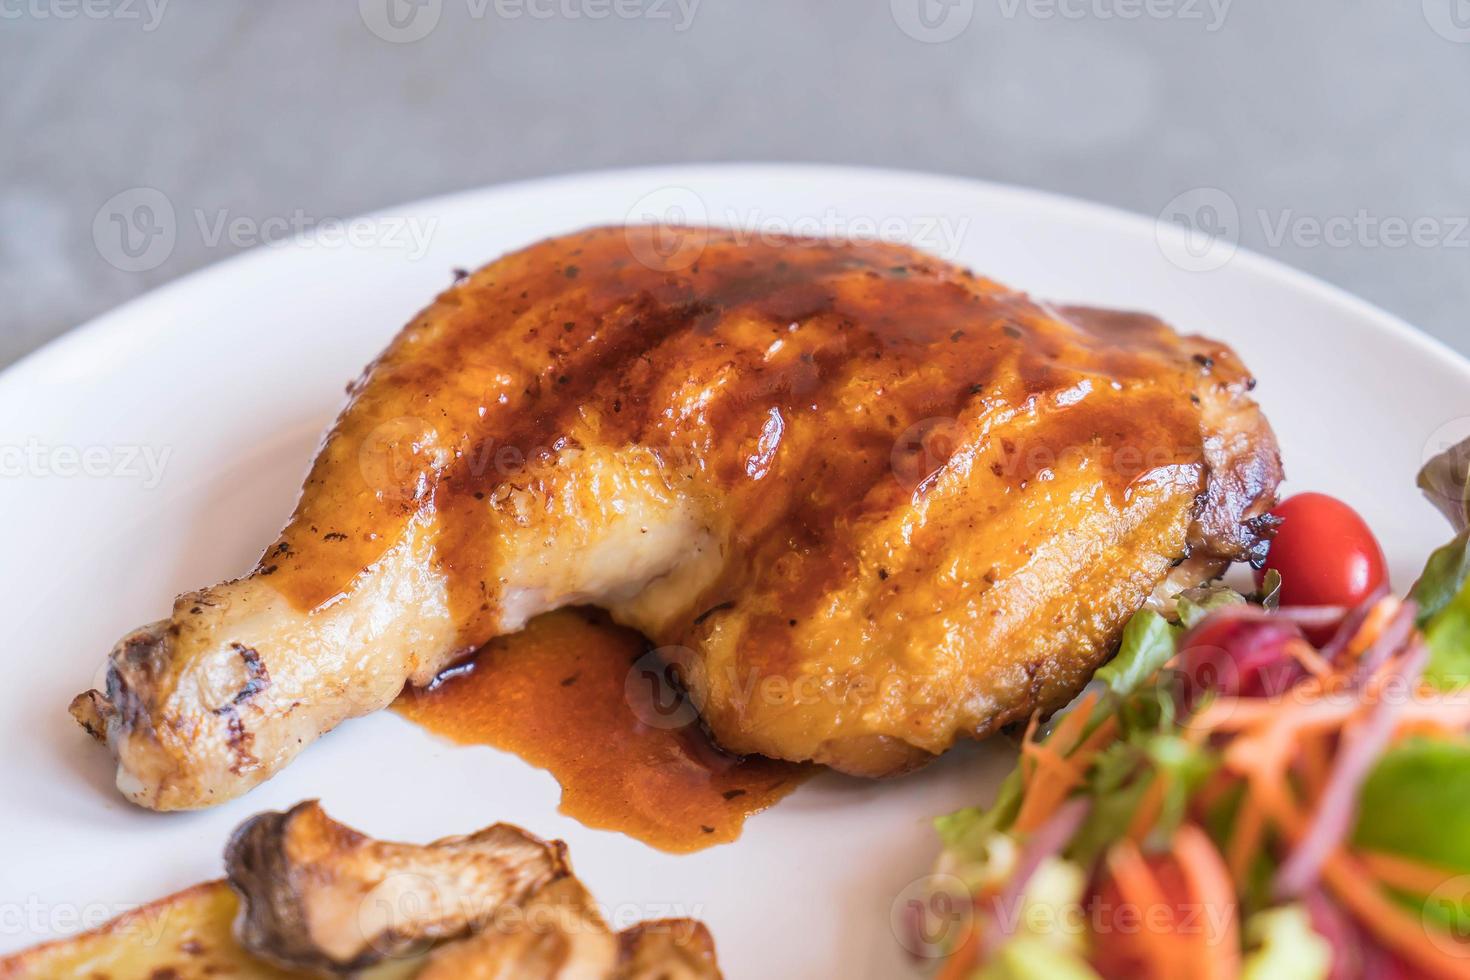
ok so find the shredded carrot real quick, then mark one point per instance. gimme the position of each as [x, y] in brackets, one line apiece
[1027, 738]
[1377, 618]
[1068, 733]
[1051, 781]
[1140, 889]
[1214, 790]
[1211, 889]
[1028, 766]
[962, 962]
[1100, 738]
[1306, 655]
[1412, 876]
[1407, 935]
[1273, 722]
[1051, 762]
[1316, 765]
[1322, 714]
[1149, 806]
[1245, 842]
[1052, 776]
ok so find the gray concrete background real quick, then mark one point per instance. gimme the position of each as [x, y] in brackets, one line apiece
[1339, 128]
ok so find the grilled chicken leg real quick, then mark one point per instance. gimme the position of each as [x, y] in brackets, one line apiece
[868, 501]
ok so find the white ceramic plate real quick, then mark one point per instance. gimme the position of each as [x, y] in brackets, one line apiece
[228, 376]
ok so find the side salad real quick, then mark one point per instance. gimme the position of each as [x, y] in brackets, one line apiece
[1262, 786]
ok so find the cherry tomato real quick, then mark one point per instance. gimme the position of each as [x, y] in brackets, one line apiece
[1325, 553]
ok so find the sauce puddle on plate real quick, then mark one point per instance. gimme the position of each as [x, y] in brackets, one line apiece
[569, 694]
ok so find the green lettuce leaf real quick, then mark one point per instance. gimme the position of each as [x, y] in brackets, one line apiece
[966, 831]
[1121, 776]
[1444, 578]
[1269, 595]
[1194, 605]
[1416, 803]
[1448, 636]
[1444, 481]
[1149, 641]
[1443, 591]
[1186, 766]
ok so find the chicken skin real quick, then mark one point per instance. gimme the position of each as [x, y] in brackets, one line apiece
[867, 501]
